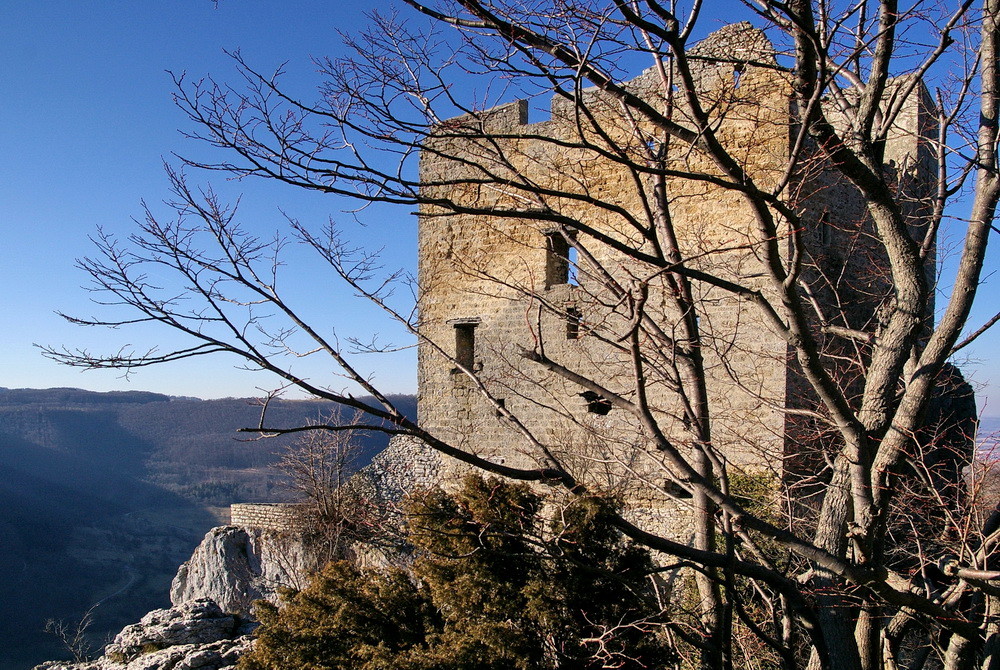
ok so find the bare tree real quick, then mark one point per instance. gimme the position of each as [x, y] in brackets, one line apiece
[73, 635]
[319, 466]
[791, 338]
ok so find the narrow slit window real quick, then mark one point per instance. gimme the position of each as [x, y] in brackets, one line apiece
[573, 318]
[557, 250]
[824, 228]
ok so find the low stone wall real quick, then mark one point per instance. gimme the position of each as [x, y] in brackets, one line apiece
[269, 516]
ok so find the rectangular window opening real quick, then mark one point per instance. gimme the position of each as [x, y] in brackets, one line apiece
[596, 403]
[824, 228]
[465, 345]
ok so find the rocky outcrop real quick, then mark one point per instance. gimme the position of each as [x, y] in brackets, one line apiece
[208, 627]
[235, 566]
[195, 635]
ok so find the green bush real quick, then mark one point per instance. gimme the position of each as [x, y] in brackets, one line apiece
[492, 587]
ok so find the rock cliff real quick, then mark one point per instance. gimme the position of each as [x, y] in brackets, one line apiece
[235, 566]
[209, 625]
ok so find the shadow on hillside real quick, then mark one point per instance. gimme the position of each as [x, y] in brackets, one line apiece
[76, 528]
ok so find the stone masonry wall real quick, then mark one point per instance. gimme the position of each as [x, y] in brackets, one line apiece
[487, 292]
[491, 272]
[404, 466]
[268, 516]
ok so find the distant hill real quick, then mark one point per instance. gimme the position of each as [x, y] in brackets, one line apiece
[104, 494]
[989, 428]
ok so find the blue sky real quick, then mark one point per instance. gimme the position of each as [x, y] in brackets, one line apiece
[86, 120]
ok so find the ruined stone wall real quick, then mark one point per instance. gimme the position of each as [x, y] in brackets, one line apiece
[405, 466]
[847, 268]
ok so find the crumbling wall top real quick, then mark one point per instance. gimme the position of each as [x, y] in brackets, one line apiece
[729, 49]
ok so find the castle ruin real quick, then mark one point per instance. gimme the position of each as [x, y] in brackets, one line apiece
[496, 288]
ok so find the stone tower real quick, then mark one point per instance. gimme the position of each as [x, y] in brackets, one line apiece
[492, 287]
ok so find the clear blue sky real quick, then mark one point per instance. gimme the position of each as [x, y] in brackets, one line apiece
[85, 121]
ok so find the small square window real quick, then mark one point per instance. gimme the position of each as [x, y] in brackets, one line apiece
[596, 404]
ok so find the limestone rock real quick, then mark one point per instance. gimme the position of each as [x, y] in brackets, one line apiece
[213, 656]
[235, 566]
[195, 635]
[197, 622]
